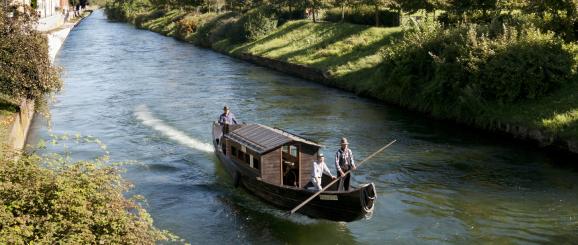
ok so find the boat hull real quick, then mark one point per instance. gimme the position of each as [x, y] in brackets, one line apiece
[333, 205]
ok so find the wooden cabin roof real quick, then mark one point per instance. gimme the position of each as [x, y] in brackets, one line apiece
[261, 138]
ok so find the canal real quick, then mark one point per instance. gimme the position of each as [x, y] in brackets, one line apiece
[151, 99]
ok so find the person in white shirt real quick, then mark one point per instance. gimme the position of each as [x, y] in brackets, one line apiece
[319, 168]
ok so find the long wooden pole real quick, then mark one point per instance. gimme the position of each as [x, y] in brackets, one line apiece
[337, 179]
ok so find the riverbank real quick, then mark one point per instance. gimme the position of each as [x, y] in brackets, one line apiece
[351, 57]
[15, 119]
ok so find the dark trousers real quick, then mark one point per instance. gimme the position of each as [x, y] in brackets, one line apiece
[344, 182]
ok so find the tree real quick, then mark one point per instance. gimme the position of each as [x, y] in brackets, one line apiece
[26, 72]
[342, 4]
[315, 6]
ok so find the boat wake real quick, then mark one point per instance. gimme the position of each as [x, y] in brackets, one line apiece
[147, 118]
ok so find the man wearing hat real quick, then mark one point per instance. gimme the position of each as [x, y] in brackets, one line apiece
[319, 167]
[226, 119]
[343, 163]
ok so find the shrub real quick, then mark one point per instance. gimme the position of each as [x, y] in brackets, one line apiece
[363, 15]
[114, 11]
[458, 70]
[69, 203]
[140, 19]
[216, 28]
[257, 23]
[26, 71]
[284, 15]
[190, 23]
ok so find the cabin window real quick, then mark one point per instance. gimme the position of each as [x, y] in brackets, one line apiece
[245, 158]
[233, 151]
[290, 165]
[239, 155]
[293, 150]
[256, 163]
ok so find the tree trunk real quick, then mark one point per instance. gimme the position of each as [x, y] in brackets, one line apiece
[342, 12]
[314, 13]
[376, 14]
[399, 13]
[314, 9]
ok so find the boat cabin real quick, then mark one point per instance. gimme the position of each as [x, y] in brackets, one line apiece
[273, 155]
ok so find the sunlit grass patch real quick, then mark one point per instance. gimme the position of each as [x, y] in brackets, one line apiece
[338, 47]
[560, 121]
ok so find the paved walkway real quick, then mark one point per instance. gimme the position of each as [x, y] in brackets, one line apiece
[56, 39]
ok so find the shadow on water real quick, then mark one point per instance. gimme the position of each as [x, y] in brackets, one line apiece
[262, 223]
[265, 226]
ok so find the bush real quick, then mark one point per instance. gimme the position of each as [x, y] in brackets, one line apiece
[216, 29]
[140, 19]
[459, 70]
[562, 23]
[70, 203]
[257, 23]
[114, 11]
[190, 23]
[284, 15]
[363, 15]
[26, 71]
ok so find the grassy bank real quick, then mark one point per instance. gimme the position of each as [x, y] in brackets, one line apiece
[522, 81]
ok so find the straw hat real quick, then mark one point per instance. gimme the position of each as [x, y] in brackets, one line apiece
[344, 141]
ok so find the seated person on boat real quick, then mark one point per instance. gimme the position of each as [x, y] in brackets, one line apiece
[319, 168]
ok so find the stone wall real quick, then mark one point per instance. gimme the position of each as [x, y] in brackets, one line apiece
[20, 126]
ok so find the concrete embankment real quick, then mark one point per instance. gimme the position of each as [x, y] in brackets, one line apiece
[18, 129]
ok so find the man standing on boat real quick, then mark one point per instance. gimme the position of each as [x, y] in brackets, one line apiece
[226, 119]
[343, 163]
[319, 167]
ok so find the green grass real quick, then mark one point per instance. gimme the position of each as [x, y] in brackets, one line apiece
[165, 24]
[556, 113]
[339, 48]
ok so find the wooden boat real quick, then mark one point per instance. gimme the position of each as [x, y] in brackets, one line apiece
[276, 166]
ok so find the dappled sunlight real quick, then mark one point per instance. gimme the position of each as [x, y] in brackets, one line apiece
[561, 121]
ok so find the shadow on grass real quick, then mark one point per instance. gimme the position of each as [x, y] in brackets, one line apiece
[340, 33]
[282, 32]
[357, 53]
